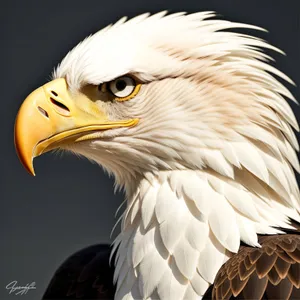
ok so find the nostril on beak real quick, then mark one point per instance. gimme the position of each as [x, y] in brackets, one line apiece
[60, 108]
[43, 112]
[54, 93]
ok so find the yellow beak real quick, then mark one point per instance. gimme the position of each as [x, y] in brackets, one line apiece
[50, 116]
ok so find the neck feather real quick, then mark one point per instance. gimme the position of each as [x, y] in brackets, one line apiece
[179, 227]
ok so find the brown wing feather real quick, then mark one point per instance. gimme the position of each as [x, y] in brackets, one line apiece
[84, 275]
[269, 272]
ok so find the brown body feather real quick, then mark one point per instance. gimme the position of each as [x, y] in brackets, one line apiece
[269, 272]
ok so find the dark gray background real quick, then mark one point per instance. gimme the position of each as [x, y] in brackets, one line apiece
[70, 203]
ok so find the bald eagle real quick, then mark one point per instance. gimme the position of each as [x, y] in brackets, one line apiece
[192, 120]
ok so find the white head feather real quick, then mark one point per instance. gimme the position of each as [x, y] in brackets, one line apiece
[211, 161]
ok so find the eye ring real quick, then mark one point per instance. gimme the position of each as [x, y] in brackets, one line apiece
[124, 88]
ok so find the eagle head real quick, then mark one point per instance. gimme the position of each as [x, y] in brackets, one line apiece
[159, 92]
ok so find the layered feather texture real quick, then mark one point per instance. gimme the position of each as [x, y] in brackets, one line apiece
[211, 162]
[269, 272]
[181, 226]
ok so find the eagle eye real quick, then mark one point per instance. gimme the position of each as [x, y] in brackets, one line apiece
[124, 88]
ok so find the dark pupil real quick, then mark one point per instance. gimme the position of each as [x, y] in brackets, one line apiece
[121, 85]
